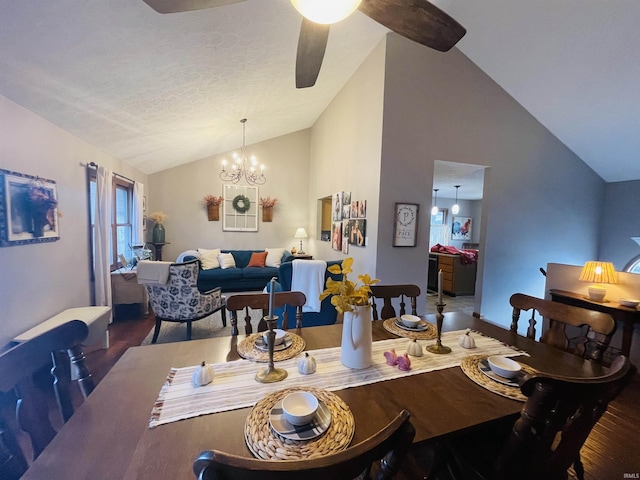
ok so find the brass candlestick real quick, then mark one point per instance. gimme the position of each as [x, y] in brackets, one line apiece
[438, 347]
[271, 374]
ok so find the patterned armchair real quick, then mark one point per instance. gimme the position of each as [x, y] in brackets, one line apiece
[179, 300]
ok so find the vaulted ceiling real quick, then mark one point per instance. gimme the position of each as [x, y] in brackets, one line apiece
[158, 91]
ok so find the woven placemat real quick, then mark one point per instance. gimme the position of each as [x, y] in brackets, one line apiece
[429, 334]
[248, 350]
[266, 444]
[469, 366]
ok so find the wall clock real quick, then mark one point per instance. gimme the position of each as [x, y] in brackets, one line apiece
[405, 229]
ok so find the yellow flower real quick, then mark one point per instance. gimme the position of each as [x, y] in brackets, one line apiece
[346, 294]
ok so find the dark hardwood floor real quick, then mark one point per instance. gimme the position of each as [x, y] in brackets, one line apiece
[610, 452]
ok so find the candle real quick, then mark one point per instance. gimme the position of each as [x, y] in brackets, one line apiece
[272, 288]
[440, 286]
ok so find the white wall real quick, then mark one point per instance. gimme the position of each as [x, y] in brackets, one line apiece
[345, 156]
[39, 280]
[178, 192]
[541, 202]
[620, 222]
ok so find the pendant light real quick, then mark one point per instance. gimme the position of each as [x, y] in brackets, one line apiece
[434, 210]
[456, 208]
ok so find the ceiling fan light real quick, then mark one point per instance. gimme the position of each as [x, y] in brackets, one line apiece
[326, 11]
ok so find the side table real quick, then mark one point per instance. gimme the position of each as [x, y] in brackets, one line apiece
[125, 288]
[158, 247]
[628, 316]
[302, 256]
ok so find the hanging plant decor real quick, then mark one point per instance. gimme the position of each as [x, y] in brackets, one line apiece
[241, 203]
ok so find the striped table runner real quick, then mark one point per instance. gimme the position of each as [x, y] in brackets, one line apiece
[234, 385]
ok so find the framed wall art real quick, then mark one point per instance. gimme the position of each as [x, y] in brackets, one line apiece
[405, 228]
[240, 209]
[28, 209]
[461, 228]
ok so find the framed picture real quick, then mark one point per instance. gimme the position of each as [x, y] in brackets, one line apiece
[28, 209]
[336, 236]
[405, 228]
[240, 208]
[461, 228]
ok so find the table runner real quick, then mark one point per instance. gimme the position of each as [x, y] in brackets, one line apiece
[234, 385]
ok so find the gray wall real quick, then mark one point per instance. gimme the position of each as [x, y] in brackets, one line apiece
[541, 202]
[37, 281]
[620, 222]
[178, 192]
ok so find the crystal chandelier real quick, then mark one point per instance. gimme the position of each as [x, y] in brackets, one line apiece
[243, 166]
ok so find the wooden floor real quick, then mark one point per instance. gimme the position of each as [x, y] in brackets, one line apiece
[611, 451]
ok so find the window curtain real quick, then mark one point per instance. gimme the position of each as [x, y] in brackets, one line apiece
[102, 241]
[137, 234]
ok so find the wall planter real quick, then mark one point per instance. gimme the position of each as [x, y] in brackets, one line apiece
[213, 213]
[267, 214]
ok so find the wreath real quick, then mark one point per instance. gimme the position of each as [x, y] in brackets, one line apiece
[241, 203]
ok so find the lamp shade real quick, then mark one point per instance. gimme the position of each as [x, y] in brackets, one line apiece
[599, 272]
[300, 233]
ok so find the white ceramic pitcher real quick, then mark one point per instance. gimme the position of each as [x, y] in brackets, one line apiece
[357, 341]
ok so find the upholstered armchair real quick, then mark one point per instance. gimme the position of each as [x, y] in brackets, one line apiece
[179, 300]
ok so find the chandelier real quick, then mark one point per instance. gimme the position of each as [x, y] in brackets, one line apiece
[243, 166]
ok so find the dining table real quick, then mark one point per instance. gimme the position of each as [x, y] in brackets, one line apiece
[109, 436]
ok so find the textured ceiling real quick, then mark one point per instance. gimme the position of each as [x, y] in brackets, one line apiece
[158, 91]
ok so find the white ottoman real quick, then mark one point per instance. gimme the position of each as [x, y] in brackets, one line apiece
[96, 318]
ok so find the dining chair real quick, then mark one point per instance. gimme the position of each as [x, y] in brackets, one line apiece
[179, 300]
[260, 301]
[389, 445]
[545, 441]
[599, 326]
[57, 349]
[389, 292]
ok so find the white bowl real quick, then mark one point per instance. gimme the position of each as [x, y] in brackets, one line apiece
[629, 302]
[503, 366]
[299, 408]
[410, 321]
[279, 336]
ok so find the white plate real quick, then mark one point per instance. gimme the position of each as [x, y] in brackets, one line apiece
[263, 347]
[317, 427]
[422, 326]
[483, 366]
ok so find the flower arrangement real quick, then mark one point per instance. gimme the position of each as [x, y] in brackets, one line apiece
[211, 200]
[268, 202]
[158, 217]
[346, 294]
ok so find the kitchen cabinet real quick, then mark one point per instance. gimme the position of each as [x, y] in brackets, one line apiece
[457, 278]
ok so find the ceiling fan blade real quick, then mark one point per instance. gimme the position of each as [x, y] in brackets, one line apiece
[417, 20]
[311, 46]
[175, 6]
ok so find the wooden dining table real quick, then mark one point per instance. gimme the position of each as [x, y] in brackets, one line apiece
[109, 436]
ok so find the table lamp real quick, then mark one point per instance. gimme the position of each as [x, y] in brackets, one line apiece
[301, 233]
[598, 273]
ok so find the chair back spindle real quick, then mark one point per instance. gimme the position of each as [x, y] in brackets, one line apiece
[390, 292]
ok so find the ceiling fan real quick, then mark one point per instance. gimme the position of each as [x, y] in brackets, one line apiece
[417, 20]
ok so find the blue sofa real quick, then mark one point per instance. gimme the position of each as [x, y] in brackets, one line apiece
[241, 278]
[328, 313]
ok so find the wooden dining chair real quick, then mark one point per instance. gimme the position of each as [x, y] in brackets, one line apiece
[260, 301]
[389, 445]
[52, 349]
[545, 441]
[599, 326]
[389, 292]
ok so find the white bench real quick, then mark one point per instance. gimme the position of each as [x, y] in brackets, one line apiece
[96, 318]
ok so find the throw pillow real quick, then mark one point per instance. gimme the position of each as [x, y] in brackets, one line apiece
[274, 256]
[257, 259]
[226, 260]
[209, 258]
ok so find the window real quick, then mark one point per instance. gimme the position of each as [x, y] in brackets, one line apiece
[633, 266]
[121, 224]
